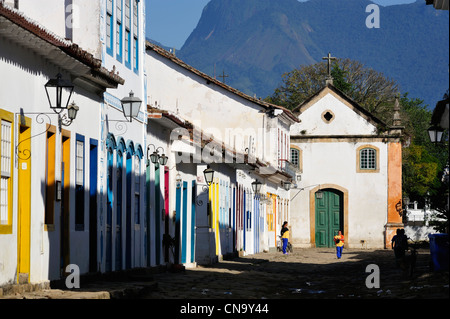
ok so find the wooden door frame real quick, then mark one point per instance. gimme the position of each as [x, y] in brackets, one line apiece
[312, 210]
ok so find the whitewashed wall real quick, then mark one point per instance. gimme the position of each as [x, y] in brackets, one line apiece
[334, 161]
[22, 71]
[209, 107]
[19, 74]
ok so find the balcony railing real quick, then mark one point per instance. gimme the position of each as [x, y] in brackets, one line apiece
[288, 168]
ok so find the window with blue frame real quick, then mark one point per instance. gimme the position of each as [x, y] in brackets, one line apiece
[135, 36]
[109, 27]
[127, 48]
[79, 183]
[119, 38]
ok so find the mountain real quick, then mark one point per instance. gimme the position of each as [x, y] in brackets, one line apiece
[255, 41]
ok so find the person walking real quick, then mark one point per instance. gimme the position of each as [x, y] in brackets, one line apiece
[285, 236]
[339, 242]
[400, 245]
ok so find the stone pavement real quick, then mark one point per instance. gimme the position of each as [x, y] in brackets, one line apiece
[305, 273]
[116, 285]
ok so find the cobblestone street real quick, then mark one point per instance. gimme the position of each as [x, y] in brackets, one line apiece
[306, 273]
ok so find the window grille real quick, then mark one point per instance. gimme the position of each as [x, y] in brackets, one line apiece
[368, 158]
[5, 171]
[295, 158]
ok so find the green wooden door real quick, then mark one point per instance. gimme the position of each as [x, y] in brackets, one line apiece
[329, 217]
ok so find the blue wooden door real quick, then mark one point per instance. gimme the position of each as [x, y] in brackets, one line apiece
[109, 209]
[93, 170]
[256, 223]
[184, 223]
[177, 224]
[193, 197]
[129, 221]
[118, 204]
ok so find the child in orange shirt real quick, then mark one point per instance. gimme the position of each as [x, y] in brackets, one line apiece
[285, 236]
[339, 242]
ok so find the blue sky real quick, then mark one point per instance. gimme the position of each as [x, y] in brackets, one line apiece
[170, 22]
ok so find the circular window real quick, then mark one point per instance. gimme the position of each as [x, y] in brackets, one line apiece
[328, 116]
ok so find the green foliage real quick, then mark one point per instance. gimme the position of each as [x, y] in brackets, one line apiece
[369, 88]
[423, 162]
[298, 85]
[416, 118]
[340, 79]
[420, 171]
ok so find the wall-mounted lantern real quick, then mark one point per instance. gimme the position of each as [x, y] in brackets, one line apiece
[59, 92]
[256, 187]
[435, 134]
[155, 157]
[287, 185]
[131, 106]
[209, 175]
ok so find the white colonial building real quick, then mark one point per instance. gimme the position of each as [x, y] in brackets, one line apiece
[350, 165]
[241, 138]
[72, 190]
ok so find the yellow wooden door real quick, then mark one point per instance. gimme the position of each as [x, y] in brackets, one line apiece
[24, 203]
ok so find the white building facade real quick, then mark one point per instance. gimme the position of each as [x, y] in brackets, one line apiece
[75, 192]
[242, 139]
[85, 193]
[350, 174]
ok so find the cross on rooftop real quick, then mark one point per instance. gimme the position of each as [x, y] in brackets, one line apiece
[329, 58]
[223, 76]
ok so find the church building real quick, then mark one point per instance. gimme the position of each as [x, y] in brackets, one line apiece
[351, 173]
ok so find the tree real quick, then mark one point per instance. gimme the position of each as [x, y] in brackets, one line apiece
[423, 162]
[420, 172]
